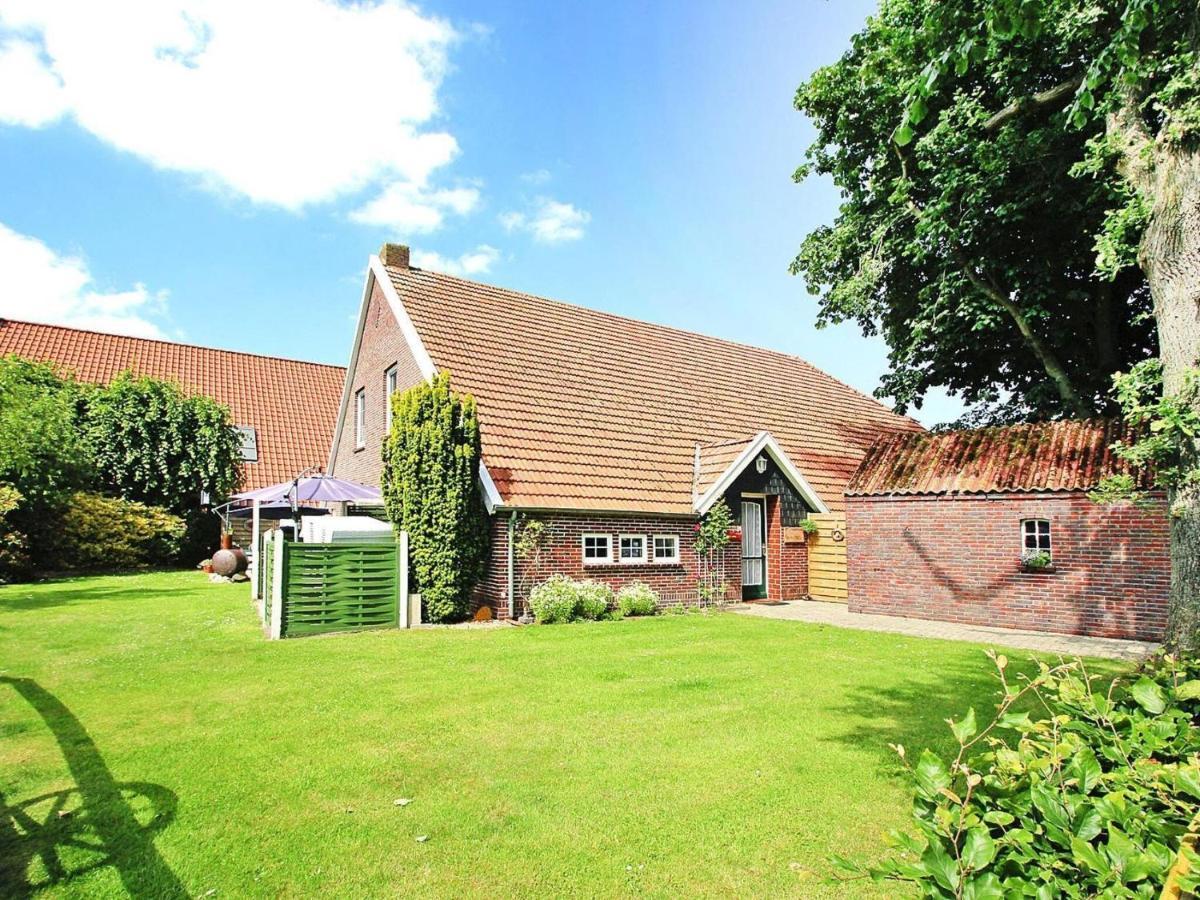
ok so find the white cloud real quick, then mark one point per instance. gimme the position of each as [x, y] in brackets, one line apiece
[407, 208]
[284, 102]
[539, 176]
[40, 285]
[549, 221]
[473, 262]
[40, 99]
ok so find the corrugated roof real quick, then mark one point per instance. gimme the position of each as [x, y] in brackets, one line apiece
[583, 409]
[292, 405]
[1072, 455]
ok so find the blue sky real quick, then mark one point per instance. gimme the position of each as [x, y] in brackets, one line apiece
[220, 177]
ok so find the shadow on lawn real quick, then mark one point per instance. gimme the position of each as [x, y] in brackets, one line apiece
[60, 592]
[98, 823]
[913, 711]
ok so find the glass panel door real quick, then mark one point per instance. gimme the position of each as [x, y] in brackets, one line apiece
[754, 563]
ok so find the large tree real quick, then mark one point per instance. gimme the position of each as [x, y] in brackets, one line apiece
[971, 251]
[1115, 83]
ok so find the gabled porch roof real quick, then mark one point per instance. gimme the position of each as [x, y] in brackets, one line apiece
[719, 464]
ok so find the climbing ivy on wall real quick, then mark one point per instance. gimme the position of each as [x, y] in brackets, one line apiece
[430, 487]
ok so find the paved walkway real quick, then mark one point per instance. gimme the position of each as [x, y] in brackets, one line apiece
[837, 614]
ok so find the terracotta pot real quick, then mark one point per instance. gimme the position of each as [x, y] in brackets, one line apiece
[226, 540]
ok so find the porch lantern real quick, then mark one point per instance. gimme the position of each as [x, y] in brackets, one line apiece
[760, 464]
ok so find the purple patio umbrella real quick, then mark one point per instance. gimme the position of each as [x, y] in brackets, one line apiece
[319, 487]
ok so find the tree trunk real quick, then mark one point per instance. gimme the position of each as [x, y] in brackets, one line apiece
[1169, 254]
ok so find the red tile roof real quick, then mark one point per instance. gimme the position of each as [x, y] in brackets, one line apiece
[583, 409]
[1051, 456]
[291, 404]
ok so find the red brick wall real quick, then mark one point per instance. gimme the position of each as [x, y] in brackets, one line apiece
[382, 346]
[956, 558]
[676, 583]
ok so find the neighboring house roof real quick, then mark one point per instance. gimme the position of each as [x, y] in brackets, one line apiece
[581, 409]
[290, 404]
[1072, 455]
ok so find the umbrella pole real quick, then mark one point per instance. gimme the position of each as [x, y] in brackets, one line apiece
[255, 524]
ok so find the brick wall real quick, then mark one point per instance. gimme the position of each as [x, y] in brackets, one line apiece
[382, 346]
[675, 582]
[956, 558]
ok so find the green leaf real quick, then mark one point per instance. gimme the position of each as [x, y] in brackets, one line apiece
[1189, 690]
[1086, 769]
[984, 887]
[965, 728]
[1148, 694]
[1087, 855]
[978, 849]
[903, 135]
[941, 866]
[931, 776]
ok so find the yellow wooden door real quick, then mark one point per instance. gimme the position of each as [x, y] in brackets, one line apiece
[827, 558]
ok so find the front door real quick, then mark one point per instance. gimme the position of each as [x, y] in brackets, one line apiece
[754, 559]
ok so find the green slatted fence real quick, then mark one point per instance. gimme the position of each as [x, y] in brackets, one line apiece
[339, 587]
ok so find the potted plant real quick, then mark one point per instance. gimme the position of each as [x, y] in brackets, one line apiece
[734, 533]
[1036, 561]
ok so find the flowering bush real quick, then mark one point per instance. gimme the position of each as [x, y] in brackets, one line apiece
[637, 599]
[554, 600]
[592, 599]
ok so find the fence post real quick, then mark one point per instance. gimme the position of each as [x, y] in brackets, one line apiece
[402, 574]
[277, 576]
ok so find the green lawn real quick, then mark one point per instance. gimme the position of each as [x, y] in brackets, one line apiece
[152, 742]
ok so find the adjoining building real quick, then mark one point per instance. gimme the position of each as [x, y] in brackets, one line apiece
[994, 526]
[284, 408]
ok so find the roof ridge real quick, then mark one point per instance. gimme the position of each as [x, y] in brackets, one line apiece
[130, 337]
[671, 328]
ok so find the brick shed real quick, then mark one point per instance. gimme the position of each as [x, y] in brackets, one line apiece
[938, 526]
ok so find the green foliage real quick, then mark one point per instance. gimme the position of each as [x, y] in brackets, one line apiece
[562, 599]
[637, 599]
[1168, 425]
[97, 532]
[531, 541]
[594, 599]
[1090, 799]
[14, 553]
[946, 222]
[808, 526]
[430, 484]
[154, 444]
[42, 454]
[712, 537]
[554, 600]
[1035, 559]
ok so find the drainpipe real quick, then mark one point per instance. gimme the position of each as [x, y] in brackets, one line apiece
[512, 580]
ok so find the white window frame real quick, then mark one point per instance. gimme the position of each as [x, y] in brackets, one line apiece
[639, 561]
[664, 560]
[360, 418]
[1049, 548]
[596, 560]
[390, 383]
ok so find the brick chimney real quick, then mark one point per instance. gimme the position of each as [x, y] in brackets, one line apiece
[394, 255]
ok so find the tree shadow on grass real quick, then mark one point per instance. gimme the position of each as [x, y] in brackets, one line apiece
[913, 711]
[95, 824]
[61, 592]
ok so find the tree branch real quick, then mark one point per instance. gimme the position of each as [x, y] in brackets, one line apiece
[1054, 97]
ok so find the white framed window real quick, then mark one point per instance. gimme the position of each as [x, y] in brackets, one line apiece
[389, 388]
[249, 438]
[664, 548]
[1035, 536]
[597, 549]
[360, 418]
[631, 549]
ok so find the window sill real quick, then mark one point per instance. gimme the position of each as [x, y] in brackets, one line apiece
[360, 448]
[1043, 570]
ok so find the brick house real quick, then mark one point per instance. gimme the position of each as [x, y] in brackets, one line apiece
[618, 434]
[937, 525]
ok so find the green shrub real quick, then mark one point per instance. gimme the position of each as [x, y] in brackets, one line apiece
[592, 599]
[554, 600]
[14, 556]
[97, 532]
[430, 483]
[637, 599]
[1089, 799]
